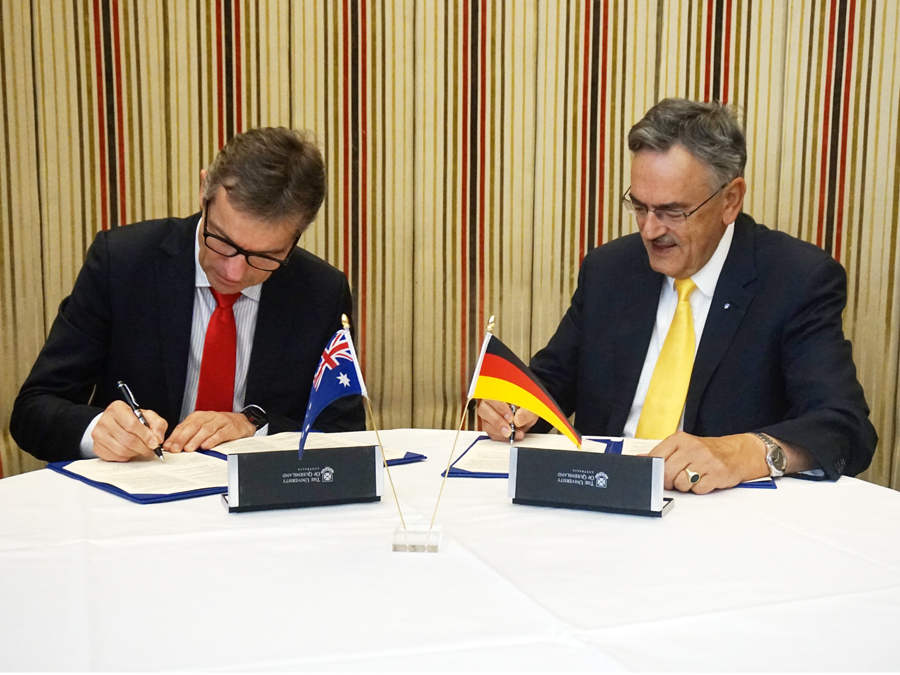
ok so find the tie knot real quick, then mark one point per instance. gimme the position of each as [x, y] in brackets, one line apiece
[684, 288]
[225, 300]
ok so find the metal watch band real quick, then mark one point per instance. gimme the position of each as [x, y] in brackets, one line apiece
[774, 455]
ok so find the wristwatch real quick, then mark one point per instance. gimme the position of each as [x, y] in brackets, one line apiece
[256, 415]
[774, 455]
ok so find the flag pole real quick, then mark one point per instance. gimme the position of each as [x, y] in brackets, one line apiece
[345, 322]
[384, 459]
[462, 421]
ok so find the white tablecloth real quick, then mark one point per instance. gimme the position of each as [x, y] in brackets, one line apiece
[803, 577]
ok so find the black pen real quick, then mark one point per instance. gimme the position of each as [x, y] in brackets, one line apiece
[129, 399]
[512, 424]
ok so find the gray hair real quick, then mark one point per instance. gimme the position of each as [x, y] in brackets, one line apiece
[272, 173]
[709, 131]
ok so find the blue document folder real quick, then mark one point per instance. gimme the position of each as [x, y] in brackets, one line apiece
[456, 472]
[61, 467]
[462, 473]
[408, 458]
[613, 446]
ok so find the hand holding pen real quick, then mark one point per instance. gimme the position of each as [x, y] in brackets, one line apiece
[501, 422]
[129, 399]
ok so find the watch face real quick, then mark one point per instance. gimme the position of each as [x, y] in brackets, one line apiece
[255, 415]
[778, 459]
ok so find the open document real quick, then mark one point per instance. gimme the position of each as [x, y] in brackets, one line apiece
[485, 458]
[181, 476]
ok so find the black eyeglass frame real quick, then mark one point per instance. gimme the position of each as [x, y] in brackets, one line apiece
[630, 205]
[241, 251]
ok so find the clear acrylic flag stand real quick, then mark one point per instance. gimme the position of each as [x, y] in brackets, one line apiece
[416, 539]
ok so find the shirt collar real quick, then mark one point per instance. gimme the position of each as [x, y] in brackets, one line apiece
[200, 278]
[708, 276]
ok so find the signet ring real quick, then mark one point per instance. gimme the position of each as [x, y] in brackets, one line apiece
[693, 476]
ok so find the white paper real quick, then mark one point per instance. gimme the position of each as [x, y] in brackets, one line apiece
[179, 473]
[487, 456]
[290, 440]
[638, 446]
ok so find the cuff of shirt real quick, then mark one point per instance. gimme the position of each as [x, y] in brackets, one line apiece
[87, 442]
[262, 431]
[812, 474]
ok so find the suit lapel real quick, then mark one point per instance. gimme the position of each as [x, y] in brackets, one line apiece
[730, 302]
[175, 307]
[633, 333]
[278, 308]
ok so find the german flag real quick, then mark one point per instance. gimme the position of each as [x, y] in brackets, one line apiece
[501, 376]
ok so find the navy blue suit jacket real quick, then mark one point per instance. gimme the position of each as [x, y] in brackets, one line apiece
[772, 358]
[129, 318]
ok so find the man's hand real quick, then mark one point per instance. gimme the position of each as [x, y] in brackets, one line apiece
[721, 462]
[497, 415]
[205, 429]
[119, 435]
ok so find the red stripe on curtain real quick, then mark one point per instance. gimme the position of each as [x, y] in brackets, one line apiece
[482, 169]
[120, 122]
[238, 98]
[101, 117]
[220, 74]
[826, 123]
[845, 116]
[346, 92]
[710, 11]
[363, 177]
[464, 210]
[601, 140]
[726, 53]
[585, 118]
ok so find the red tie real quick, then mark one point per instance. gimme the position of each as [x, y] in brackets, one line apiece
[215, 390]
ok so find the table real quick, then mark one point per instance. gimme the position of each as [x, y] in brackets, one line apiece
[805, 577]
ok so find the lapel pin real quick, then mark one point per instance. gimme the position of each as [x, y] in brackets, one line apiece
[727, 305]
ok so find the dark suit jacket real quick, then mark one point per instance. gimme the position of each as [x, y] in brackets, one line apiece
[772, 358]
[129, 318]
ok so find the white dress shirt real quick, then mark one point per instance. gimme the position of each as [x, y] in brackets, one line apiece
[245, 310]
[701, 300]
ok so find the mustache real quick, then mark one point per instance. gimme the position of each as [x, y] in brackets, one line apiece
[666, 240]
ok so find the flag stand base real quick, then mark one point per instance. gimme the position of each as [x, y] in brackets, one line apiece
[416, 539]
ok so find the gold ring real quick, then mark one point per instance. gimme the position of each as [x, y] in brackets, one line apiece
[693, 476]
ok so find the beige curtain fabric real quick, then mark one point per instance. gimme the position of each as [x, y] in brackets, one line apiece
[476, 152]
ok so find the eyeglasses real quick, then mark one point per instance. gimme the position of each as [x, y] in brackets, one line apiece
[665, 216]
[259, 261]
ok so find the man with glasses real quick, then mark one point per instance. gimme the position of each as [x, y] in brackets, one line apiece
[709, 332]
[216, 322]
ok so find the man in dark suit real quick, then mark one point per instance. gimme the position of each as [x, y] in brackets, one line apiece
[217, 321]
[706, 330]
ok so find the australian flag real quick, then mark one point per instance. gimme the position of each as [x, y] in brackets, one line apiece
[338, 375]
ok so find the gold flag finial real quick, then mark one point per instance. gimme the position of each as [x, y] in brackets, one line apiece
[345, 321]
[490, 328]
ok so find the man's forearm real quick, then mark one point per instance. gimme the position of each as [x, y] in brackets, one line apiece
[797, 459]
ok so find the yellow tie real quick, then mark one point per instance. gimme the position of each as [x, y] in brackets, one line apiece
[672, 375]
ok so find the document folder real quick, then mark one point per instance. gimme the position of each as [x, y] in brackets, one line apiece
[142, 498]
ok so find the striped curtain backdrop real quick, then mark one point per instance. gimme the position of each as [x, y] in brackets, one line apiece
[476, 153]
